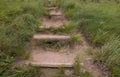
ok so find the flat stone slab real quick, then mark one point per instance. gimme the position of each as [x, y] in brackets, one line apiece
[50, 37]
[52, 59]
[56, 13]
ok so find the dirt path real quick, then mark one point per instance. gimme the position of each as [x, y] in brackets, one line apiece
[56, 19]
[87, 63]
[40, 57]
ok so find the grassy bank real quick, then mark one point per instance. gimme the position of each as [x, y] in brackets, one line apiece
[100, 22]
[19, 20]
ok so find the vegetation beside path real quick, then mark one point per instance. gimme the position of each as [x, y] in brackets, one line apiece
[100, 23]
[19, 20]
[99, 20]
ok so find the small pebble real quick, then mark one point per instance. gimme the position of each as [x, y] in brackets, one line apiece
[81, 64]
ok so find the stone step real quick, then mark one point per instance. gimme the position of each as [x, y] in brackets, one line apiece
[50, 37]
[52, 59]
[56, 13]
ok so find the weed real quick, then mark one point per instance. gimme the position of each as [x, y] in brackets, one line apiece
[99, 20]
[100, 37]
[77, 66]
[60, 72]
[108, 55]
[33, 9]
[5, 61]
[18, 23]
[76, 37]
[21, 71]
[86, 74]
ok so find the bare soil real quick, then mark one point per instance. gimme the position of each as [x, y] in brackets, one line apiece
[87, 63]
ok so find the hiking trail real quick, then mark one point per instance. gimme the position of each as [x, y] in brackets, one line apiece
[65, 55]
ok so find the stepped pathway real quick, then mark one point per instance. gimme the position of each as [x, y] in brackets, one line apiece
[46, 58]
[56, 20]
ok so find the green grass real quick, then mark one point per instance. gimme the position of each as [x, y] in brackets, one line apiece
[95, 15]
[100, 21]
[18, 23]
[19, 20]
[77, 66]
[20, 71]
[59, 72]
[108, 56]
[5, 61]
[76, 37]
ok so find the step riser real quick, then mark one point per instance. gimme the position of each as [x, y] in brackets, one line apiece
[56, 15]
[52, 43]
[52, 8]
[52, 65]
[52, 39]
[57, 18]
[55, 46]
